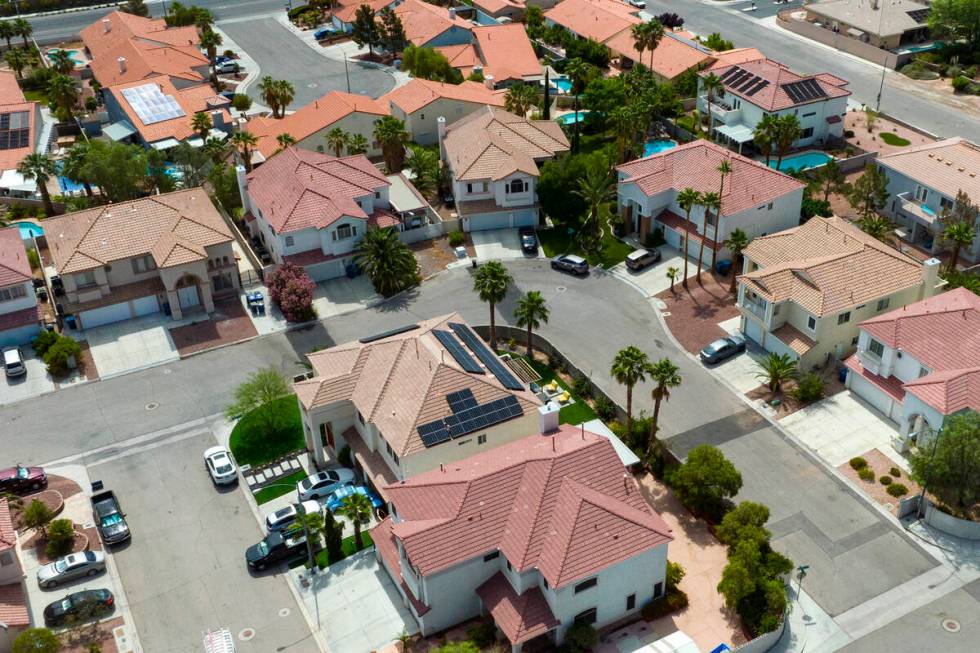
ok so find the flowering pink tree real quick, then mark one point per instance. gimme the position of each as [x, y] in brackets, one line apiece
[291, 289]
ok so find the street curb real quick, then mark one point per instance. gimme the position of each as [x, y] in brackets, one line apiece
[70, 10]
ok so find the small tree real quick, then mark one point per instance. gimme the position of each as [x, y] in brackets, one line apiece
[869, 193]
[675, 574]
[747, 520]
[256, 393]
[291, 289]
[950, 466]
[241, 102]
[62, 356]
[387, 261]
[333, 534]
[672, 273]
[356, 508]
[61, 538]
[629, 367]
[580, 637]
[666, 375]
[706, 480]
[491, 282]
[366, 30]
[36, 640]
[776, 368]
[531, 311]
[392, 31]
[870, 119]
[37, 516]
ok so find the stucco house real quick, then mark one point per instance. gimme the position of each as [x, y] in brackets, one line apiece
[13, 598]
[756, 199]
[169, 253]
[753, 89]
[20, 135]
[403, 401]
[19, 316]
[493, 158]
[803, 291]
[420, 103]
[537, 534]
[923, 183]
[920, 363]
[885, 24]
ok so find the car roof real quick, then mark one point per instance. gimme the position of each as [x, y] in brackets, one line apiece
[11, 355]
[573, 258]
[638, 253]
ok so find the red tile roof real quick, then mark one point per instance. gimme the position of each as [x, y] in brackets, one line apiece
[8, 535]
[384, 542]
[12, 101]
[671, 57]
[773, 96]
[507, 52]
[32, 315]
[14, 266]
[423, 21]
[298, 189]
[949, 391]
[462, 57]
[10, 89]
[348, 8]
[947, 166]
[520, 616]
[727, 58]
[561, 503]
[192, 100]
[891, 386]
[695, 164]
[677, 223]
[420, 93]
[595, 19]
[13, 605]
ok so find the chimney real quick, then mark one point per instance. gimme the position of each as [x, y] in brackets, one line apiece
[930, 277]
[122, 64]
[488, 80]
[441, 131]
[218, 120]
[548, 417]
[106, 25]
[452, 13]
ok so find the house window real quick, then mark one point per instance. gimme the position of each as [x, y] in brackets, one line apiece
[7, 294]
[289, 241]
[811, 322]
[631, 602]
[422, 116]
[517, 186]
[589, 616]
[807, 133]
[143, 264]
[221, 282]
[586, 585]
[807, 115]
[876, 348]
[85, 279]
[509, 567]
[658, 590]
[883, 303]
[769, 206]
[391, 452]
[6, 559]
[844, 318]
[923, 372]
[377, 194]
[481, 439]
[360, 418]
[921, 193]
[491, 556]
[469, 188]
[945, 204]
[344, 231]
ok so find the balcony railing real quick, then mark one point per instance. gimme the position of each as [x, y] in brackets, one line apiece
[756, 308]
[917, 209]
[721, 110]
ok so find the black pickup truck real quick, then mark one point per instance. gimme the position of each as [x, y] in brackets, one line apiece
[109, 518]
[276, 547]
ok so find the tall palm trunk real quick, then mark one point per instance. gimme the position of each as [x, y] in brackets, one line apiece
[357, 535]
[493, 328]
[46, 198]
[88, 188]
[684, 253]
[701, 250]
[629, 411]
[654, 428]
[530, 346]
[714, 239]
[735, 268]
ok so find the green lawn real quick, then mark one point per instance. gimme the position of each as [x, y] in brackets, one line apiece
[284, 485]
[39, 96]
[893, 139]
[558, 241]
[577, 412]
[347, 545]
[252, 443]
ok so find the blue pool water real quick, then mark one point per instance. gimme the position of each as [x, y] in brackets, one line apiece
[926, 47]
[802, 161]
[656, 146]
[564, 84]
[926, 209]
[29, 230]
[67, 185]
[570, 118]
[71, 53]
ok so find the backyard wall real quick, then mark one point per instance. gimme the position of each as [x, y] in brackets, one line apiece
[968, 530]
[837, 40]
[765, 642]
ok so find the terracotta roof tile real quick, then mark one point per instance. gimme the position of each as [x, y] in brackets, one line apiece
[727, 58]
[8, 534]
[520, 616]
[493, 7]
[773, 96]
[561, 503]
[596, 19]
[32, 315]
[348, 8]
[14, 266]
[671, 57]
[13, 605]
[419, 93]
[794, 339]
[892, 386]
[192, 100]
[947, 166]
[461, 57]
[423, 21]
[12, 101]
[949, 391]
[507, 52]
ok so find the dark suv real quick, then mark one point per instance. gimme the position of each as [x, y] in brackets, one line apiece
[529, 240]
[570, 263]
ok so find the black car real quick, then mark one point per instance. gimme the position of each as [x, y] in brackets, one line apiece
[529, 240]
[109, 518]
[570, 263]
[722, 348]
[276, 547]
[21, 479]
[80, 606]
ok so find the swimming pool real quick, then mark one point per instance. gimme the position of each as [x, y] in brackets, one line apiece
[564, 84]
[803, 161]
[925, 47]
[29, 230]
[71, 54]
[927, 210]
[65, 184]
[571, 118]
[658, 145]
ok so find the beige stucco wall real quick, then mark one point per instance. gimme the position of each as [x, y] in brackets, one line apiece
[355, 123]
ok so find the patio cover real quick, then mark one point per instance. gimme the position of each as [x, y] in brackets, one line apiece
[117, 131]
[12, 180]
[520, 617]
[738, 133]
[625, 453]
[165, 144]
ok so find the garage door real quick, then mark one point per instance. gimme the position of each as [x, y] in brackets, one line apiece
[490, 221]
[526, 218]
[864, 389]
[105, 315]
[188, 297]
[145, 306]
[324, 271]
[19, 335]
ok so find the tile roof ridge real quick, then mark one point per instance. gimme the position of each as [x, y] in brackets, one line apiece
[95, 217]
[943, 376]
[384, 386]
[530, 468]
[191, 192]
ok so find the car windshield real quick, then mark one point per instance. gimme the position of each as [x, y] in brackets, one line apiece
[90, 556]
[66, 604]
[224, 469]
[331, 476]
[60, 566]
[22, 472]
[263, 548]
[715, 347]
[282, 514]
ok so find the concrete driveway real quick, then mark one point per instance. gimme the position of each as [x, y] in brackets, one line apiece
[35, 382]
[652, 280]
[282, 55]
[499, 245]
[131, 344]
[343, 295]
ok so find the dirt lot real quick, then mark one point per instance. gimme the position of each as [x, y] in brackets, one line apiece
[434, 255]
[880, 464]
[696, 311]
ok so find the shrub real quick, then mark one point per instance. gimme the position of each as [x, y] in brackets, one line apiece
[43, 342]
[672, 602]
[858, 463]
[970, 72]
[241, 102]
[809, 388]
[897, 489]
[60, 354]
[456, 238]
[604, 408]
[866, 474]
[579, 638]
[34, 259]
[885, 480]
[296, 11]
[344, 457]
[483, 634]
[675, 574]
[960, 83]
[291, 289]
[895, 472]
[61, 538]
[952, 70]
[705, 481]
[37, 516]
[36, 640]
[581, 387]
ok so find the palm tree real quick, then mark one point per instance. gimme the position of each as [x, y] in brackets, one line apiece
[244, 142]
[960, 234]
[210, 40]
[285, 93]
[725, 168]
[7, 31]
[711, 85]
[788, 131]
[284, 140]
[647, 36]
[776, 368]
[387, 261]
[579, 72]
[672, 273]
[764, 135]
[531, 312]
[665, 375]
[202, 125]
[687, 199]
[337, 140]
[390, 132]
[18, 60]
[830, 178]
[491, 282]
[357, 508]
[710, 202]
[520, 99]
[358, 144]
[267, 91]
[424, 168]
[39, 168]
[64, 93]
[215, 149]
[597, 188]
[875, 226]
[61, 61]
[73, 165]
[629, 367]
[23, 29]
[736, 242]
[624, 123]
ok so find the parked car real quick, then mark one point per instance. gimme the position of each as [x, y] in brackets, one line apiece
[639, 4]
[220, 465]
[324, 33]
[282, 519]
[13, 362]
[80, 606]
[570, 263]
[20, 479]
[77, 565]
[109, 518]
[227, 67]
[641, 258]
[319, 485]
[723, 348]
[529, 240]
[448, 200]
[337, 496]
[275, 547]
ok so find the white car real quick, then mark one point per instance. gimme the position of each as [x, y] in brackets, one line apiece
[321, 484]
[13, 362]
[220, 465]
[281, 519]
[77, 565]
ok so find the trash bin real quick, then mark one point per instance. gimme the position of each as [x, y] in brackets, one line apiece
[842, 375]
[70, 322]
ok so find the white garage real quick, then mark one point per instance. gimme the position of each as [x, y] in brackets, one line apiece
[105, 315]
[326, 270]
[189, 297]
[145, 306]
[752, 330]
[19, 335]
[871, 394]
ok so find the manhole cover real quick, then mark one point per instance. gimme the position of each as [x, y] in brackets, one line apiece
[666, 313]
[561, 288]
[153, 405]
[246, 634]
[951, 625]
[284, 612]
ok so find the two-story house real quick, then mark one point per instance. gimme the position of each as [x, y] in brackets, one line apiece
[19, 317]
[923, 183]
[538, 534]
[407, 401]
[756, 199]
[13, 599]
[753, 89]
[420, 102]
[920, 363]
[20, 135]
[169, 253]
[802, 292]
[493, 158]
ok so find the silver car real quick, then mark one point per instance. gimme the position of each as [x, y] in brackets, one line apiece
[13, 362]
[321, 484]
[77, 565]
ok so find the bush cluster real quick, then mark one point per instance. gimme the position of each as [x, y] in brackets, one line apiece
[897, 489]
[895, 472]
[866, 474]
[858, 463]
[60, 353]
[581, 387]
[673, 601]
[291, 289]
[885, 480]
[61, 538]
[604, 408]
[456, 238]
[809, 388]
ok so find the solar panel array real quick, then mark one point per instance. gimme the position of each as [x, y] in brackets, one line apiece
[388, 334]
[151, 105]
[468, 420]
[15, 130]
[486, 356]
[456, 351]
[742, 81]
[804, 90]
[918, 15]
[461, 400]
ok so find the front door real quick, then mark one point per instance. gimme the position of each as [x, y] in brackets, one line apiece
[188, 297]
[326, 435]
